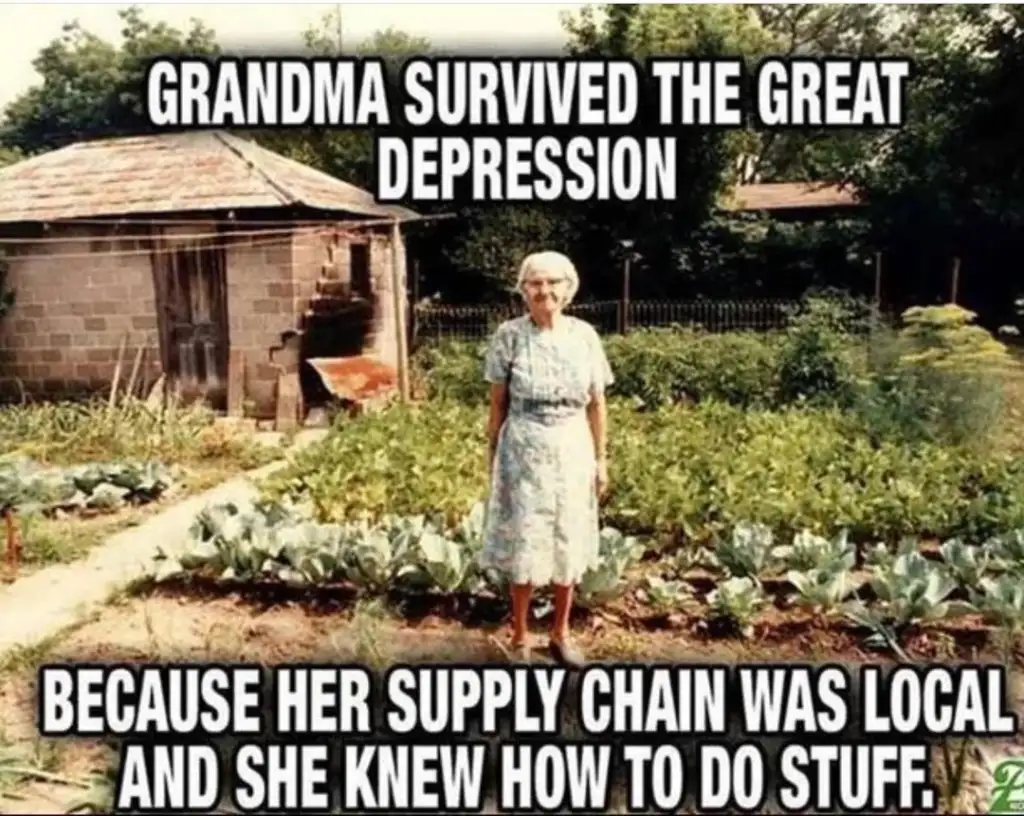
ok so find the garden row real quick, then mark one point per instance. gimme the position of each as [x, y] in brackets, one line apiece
[271, 542]
[677, 474]
[26, 486]
[937, 377]
[720, 447]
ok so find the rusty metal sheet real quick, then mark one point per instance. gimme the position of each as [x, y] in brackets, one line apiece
[355, 379]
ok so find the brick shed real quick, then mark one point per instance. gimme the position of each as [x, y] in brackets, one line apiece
[208, 252]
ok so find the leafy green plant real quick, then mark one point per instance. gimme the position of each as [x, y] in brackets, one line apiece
[607, 580]
[1005, 552]
[966, 564]
[666, 596]
[29, 487]
[269, 541]
[747, 553]
[822, 588]
[817, 363]
[910, 590]
[681, 473]
[1001, 602]
[811, 552]
[69, 433]
[938, 378]
[738, 601]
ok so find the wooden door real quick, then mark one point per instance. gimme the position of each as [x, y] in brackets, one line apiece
[191, 293]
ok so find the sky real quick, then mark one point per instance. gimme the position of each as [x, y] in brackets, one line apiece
[25, 28]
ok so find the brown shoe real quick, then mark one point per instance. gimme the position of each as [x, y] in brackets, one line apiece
[515, 652]
[565, 653]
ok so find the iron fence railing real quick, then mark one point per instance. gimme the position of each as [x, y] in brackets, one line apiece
[433, 322]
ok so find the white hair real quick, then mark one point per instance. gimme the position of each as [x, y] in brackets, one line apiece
[549, 263]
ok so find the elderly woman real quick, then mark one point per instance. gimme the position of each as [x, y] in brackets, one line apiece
[548, 373]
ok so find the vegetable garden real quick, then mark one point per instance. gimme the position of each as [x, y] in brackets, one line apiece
[840, 490]
[851, 469]
[73, 473]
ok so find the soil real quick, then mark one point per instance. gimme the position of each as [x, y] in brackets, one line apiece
[172, 626]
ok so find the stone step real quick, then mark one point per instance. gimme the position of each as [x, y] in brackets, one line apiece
[329, 287]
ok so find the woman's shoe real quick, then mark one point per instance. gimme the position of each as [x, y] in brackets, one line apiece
[515, 652]
[565, 653]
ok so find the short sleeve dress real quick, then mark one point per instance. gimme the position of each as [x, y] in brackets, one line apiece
[542, 513]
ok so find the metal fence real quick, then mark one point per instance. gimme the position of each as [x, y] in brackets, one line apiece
[477, 322]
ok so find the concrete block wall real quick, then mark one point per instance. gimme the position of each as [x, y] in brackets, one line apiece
[75, 299]
[261, 306]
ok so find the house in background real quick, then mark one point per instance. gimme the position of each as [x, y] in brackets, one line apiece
[206, 250]
[793, 200]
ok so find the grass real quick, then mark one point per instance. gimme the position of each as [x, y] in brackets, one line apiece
[67, 433]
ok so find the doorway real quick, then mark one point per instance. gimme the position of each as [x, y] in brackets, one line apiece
[190, 283]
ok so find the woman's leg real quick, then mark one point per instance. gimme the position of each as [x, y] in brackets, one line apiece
[520, 612]
[560, 645]
[563, 608]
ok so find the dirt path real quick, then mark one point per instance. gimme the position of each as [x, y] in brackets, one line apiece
[40, 606]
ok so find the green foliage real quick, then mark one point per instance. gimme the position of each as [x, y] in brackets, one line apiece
[817, 364]
[676, 471]
[417, 554]
[91, 88]
[654, 367]
[72, 432]
[938, 378]
[26, 486]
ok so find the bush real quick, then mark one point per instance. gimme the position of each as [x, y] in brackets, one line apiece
[818, 359]
[938, 378]
[683, 471]
[813, 361]
[654, 366]
[661, 367]
[452, 370]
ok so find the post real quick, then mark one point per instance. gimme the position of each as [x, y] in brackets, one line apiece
[955, 285]
[398, 301]
[878, 281]
[625, 295]
[414, 322]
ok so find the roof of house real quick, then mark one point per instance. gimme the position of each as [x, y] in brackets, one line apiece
[794, 195]
[172, 173]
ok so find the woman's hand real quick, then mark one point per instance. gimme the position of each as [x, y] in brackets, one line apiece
[601, 479]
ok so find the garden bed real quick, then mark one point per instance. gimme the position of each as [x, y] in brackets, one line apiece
[75, 473]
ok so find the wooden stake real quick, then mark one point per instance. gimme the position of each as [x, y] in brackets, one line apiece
[117, 371]
[130, 391]
[955, 286]
[12, 553]
[625, 295]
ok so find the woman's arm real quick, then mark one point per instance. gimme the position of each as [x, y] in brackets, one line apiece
[597, 416]
[498, 413]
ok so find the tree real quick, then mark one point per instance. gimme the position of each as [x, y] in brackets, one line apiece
[91, 88]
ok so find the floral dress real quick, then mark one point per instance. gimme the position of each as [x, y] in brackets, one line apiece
[542, 512]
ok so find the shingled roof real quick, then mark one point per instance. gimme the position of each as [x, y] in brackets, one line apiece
[172, 173]
[789, 196]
